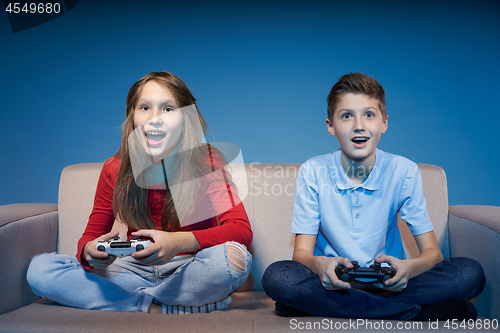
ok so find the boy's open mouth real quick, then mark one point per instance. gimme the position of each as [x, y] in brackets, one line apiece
[360, 141]
[154, 138]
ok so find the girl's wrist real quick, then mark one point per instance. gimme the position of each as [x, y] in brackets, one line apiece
[85, 250]
[185, 241]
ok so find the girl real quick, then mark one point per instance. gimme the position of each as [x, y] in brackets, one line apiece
[166, 186]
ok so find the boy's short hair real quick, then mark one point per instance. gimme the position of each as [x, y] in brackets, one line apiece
[355, 83]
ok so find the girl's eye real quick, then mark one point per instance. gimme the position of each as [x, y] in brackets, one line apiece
[168, 109]
[145, 108]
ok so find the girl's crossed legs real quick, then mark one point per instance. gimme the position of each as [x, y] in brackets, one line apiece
[127, 285]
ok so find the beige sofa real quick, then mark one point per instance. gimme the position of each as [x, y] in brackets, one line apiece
[30, 229]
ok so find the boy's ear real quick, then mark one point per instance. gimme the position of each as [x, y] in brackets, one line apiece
[329, 127]
[386, 124]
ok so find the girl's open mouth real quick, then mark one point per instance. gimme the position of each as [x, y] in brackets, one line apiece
[154, 138]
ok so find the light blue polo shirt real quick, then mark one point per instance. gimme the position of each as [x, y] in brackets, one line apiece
[359, 222]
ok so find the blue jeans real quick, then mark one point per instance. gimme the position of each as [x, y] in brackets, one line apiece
[128, 285]
[295, 285]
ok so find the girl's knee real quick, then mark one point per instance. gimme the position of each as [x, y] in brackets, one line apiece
[38, 264]
[43, 268]
[237, 257]
[36, 271]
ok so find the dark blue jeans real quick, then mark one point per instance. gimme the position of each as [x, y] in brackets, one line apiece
[295, 285]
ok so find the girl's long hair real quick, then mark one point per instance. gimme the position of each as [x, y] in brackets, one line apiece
[130, 202]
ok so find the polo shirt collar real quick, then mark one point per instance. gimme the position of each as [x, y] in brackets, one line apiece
[372, 183]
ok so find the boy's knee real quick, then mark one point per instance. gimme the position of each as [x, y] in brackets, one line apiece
[236, 257]
[471, 275]
[279, 277]
[473, 271]
[269, 278]
[467, 266]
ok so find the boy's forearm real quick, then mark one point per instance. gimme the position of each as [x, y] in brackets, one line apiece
[305, 258]
[425, 261]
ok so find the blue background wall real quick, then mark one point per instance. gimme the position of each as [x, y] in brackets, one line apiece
[261, 73]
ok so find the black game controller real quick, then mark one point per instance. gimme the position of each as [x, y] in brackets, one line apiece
[367, 275]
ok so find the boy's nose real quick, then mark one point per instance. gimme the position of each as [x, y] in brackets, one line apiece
[359, 125]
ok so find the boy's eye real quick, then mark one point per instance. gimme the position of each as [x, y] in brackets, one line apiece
[345, 116]
[370, 114]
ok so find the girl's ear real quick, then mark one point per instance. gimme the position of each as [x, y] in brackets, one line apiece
[329, 127]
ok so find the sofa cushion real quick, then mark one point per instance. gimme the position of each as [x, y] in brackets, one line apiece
[15, 212]
[25, 230]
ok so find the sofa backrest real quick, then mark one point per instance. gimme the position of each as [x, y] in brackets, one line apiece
[269, 202]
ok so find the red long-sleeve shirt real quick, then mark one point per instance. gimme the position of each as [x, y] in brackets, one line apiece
[234, 224]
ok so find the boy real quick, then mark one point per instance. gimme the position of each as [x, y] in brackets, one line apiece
[346, 207]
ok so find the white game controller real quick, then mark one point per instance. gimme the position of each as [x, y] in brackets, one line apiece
[119, 248]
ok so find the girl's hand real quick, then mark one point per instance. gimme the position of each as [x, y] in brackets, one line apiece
[325, 268]
[96, 258]
[166, 246]
[399, 281]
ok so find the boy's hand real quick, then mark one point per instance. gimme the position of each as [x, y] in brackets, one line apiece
[399, 281]
[325, 268]
[96, 258]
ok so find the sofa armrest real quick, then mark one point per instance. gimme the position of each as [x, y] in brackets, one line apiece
[475, 233]
[25, 230]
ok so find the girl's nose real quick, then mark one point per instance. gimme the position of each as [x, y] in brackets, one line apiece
[155, 117]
